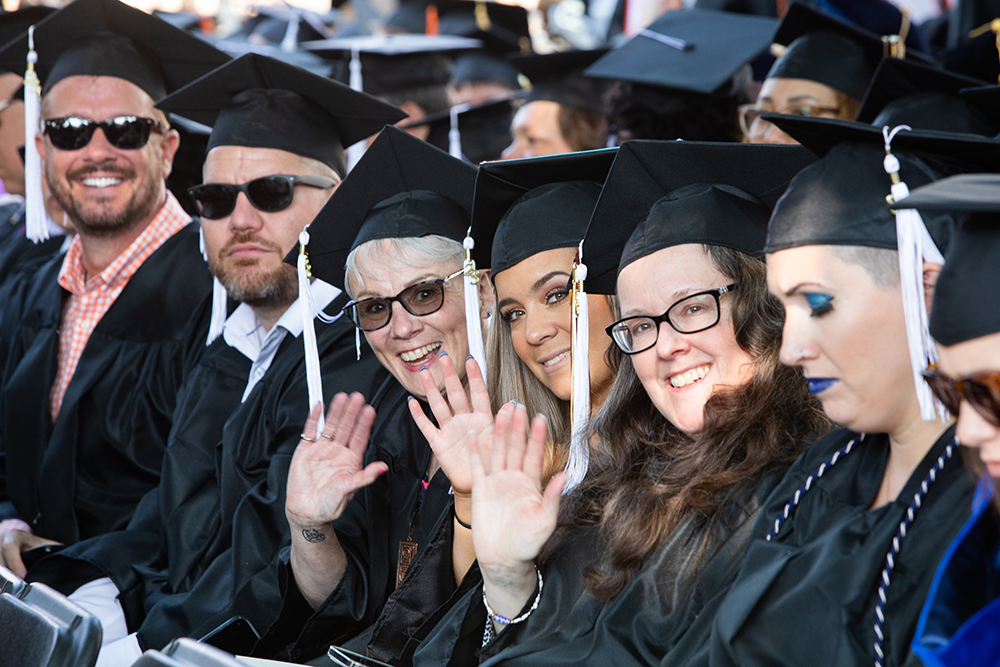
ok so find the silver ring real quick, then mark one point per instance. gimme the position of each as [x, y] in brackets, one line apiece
[307, 438]
[328, 437]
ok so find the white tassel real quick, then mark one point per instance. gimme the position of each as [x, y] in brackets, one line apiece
[915, 246]
[356, 151]
[314, 379]
[454, 135]
[473, 320]
[579, 447]
[36, 224]
[357, 341]
[219, 299]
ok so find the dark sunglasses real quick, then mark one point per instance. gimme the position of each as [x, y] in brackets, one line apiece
[981, 390]
[419, 300]
[268, 193]
[124, 132]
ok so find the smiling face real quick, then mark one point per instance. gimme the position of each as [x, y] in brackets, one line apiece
[682, 371]
[976, 356]
[532, 299]
[246, 248]
[106, 190]
[408, 341]
[848, 335]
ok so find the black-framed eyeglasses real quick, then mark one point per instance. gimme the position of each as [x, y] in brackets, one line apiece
[123, 132]
[691, 314]
[267, 193]
[419, 300]
[981, 390]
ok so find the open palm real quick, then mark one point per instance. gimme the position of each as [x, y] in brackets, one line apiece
[456, 418]
[325, 474]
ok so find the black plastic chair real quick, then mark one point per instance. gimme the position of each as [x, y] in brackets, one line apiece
[42, 628]
[187, 653]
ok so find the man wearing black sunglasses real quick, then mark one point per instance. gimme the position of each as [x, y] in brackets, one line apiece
[103, 338]
[226, 500]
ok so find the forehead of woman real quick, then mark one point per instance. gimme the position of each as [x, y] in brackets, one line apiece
[654, 282]
[383, 267]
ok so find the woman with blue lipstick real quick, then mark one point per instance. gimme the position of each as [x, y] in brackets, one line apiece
[961, 618]
[699, 424]
[843, 555]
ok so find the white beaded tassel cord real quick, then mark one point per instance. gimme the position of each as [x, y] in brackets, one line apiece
[473, 320]
[36, 226]
[314, 381]
[454, 134]
[579, 448]
[915, 246]
[357, 150]
[219, 297]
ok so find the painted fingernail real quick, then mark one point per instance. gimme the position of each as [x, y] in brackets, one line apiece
[468, 357]
[423, 368]
[521, 406]
[443, 354]
[410, 398]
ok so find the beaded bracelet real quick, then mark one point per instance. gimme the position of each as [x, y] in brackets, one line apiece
[503, 620]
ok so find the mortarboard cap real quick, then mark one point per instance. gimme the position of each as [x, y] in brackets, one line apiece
[14, 24]
[905, 92]
[830, 51]
[661, 194]
[691, 50]
[483, 67]
[524, 207]
[402, 188]
[558, 77]
[286, 25]
[260, 102]
[395, 62]
[502, 28]
[483, 131]
[962, 309]
[977, 57]
[188, 21]
[410, 17]
[110, 38]
[239, 46]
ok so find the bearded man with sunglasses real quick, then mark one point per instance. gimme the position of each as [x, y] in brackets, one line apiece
[102, 339]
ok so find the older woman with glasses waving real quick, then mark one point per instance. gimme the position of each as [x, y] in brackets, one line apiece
[698, 425]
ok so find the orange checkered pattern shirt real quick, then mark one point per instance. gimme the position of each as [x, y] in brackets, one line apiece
[91, 299]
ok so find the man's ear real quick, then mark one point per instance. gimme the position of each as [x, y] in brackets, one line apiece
[931, 272]
[168, 146]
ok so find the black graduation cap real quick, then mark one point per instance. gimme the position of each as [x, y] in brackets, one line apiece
[484, 67]
[558, 77]
[905, 92]
[691, 50]
[410, 17]
[977, 57]
[665, 193]
[110, 38]
[188, 21]
[13, 24]
[524, 207]
[403, 187]
[394, 62]
[966, 305]
[286, 24]
[189, 159]
[820, 135]
[238, 46]
[502, 28]
[483, 130]
[827, 50]
[260, 102]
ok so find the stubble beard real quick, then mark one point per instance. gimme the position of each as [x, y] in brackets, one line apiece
[244, 284]
[103, 223]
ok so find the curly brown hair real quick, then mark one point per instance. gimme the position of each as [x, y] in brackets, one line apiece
[646, 476]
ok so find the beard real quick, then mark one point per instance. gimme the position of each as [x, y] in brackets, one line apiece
[98, 220]
[245, 283]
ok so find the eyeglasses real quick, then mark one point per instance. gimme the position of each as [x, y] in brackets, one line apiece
[981, 390]
[690, 315]
[419, 300]
[124, 132]
[268, 193]
[755, 127]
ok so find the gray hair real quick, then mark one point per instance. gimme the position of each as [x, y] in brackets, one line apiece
[881, 264]
[412, 252]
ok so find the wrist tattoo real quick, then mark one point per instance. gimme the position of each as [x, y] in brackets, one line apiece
[313, 534]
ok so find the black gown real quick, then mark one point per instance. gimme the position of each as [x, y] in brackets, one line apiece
[222, 538]
[661, 617]
[84, 475]
[370, 530]
[808, 597]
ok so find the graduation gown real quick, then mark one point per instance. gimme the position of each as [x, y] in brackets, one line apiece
[222, 539]
[661, 617]
[84, 474]
[960, 622]
[808, 597]
[374, 523]
[134, 558]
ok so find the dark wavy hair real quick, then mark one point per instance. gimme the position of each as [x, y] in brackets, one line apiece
[646, 476]
[640, 112]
